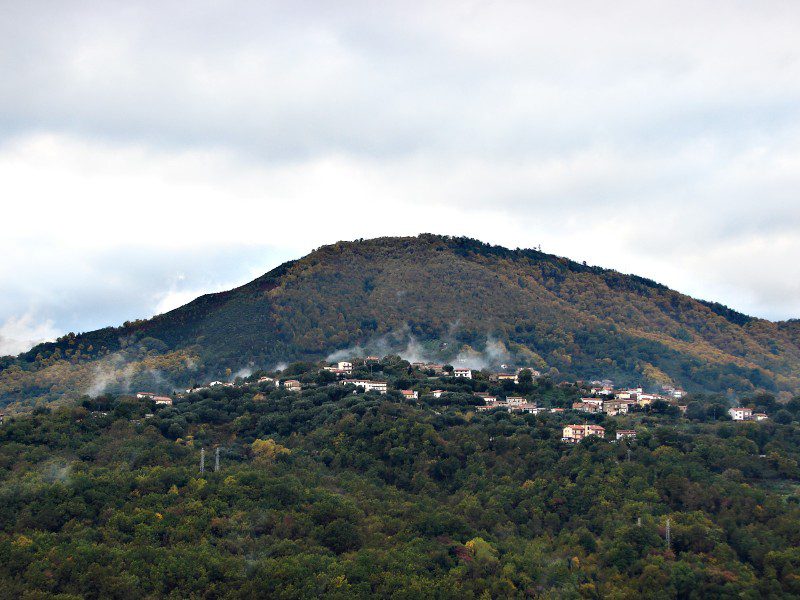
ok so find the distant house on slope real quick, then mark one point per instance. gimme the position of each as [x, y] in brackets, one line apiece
[292, 385]
[572, 434]
[491, 403]
[741, 414]
[507, 377]
[410, 394]
[368, 385]
[164, 400]
[515, 400]
[588, 407]
[615, 407]
[526, 407]
[466, 373]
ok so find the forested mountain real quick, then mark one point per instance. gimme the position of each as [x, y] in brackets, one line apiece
[447, 299]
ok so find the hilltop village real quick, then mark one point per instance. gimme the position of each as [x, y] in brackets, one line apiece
[522, 390]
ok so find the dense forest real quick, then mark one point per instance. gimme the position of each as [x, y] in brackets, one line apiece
[330, 492]
[447, 298]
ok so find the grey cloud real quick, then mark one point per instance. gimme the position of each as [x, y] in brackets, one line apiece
[662, 138]
[91, 291]
[303, 81]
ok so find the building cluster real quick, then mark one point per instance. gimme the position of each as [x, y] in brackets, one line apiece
[606, 399]
[504, 376]
[603, 396]
[511, 404]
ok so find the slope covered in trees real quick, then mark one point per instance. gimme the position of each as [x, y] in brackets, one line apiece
[326, 493]
[451, 297]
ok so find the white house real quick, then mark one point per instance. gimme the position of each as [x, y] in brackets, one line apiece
[141, 395]
[467, 373]
[438, 393]
[513, 400]
[626, 434]
[741, 414]
[602, 391]
[369, 386]
[165, 400]
[410, 394]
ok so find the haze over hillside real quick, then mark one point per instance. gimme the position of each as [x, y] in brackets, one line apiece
[434, 297]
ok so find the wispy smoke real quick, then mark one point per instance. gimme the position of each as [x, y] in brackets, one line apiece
[56, 473]
[111, 373]
[493, 355]
[243, 372]
[129, 367]
[401, 342]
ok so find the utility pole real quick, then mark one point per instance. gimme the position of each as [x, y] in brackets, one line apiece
[202, 460]
[216, 459]
[667, 536]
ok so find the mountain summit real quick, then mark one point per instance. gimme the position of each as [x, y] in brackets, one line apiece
[434, 297]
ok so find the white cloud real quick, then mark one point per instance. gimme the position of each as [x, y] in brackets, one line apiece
[18, 334]
[140, 142]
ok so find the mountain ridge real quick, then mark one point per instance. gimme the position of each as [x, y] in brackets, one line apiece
[452, 297]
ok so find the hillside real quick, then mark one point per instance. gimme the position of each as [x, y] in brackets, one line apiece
[444, 299]
[324, 493]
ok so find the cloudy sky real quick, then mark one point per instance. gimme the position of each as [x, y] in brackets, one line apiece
[154, 151]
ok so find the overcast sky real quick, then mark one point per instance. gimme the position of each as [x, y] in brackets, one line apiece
[154, 151]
